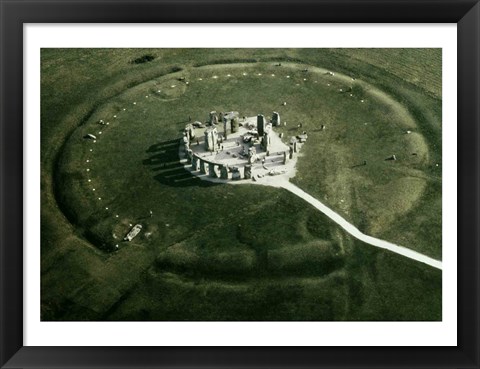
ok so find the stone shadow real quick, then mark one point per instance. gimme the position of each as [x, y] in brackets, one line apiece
[164, 161]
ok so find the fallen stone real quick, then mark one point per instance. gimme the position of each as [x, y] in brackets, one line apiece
[133, 232]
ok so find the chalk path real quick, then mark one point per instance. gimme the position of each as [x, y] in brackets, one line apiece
[350, 228]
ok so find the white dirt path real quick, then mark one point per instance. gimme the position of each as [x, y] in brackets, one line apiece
[350, 228]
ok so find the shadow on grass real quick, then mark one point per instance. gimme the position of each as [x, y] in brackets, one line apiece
[165, 163]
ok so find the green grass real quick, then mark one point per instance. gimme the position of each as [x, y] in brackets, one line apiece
[235, 252]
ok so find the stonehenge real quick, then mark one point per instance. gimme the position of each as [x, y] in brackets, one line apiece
[245, 151]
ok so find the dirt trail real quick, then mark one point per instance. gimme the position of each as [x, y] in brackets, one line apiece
[283, 182]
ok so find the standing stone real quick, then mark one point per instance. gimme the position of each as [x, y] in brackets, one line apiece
[291, 152]
[252, 155]
[236, 174]
[211, 170]
[211, 139]
[186, 144]
[266, 141]
[213, 118]
[225, 128]
[190, 131]
[234, 124]
[189, 155]
[194, 163]
[224, 172]
[276, 119]
[260, 124]
[202, 167]
[293, 143]
[248, 171]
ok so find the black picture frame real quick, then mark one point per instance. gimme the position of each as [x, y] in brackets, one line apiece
[466, 13]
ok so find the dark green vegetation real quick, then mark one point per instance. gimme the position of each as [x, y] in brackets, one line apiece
[221, 252]
[144, 59]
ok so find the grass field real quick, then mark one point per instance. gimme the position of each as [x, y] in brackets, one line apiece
[221, 252]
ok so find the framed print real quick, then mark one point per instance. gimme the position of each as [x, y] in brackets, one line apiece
[269, 184]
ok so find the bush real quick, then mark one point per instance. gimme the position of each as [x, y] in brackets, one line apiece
[144, 59]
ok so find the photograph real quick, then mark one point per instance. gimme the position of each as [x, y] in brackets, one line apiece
[241, 184]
